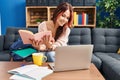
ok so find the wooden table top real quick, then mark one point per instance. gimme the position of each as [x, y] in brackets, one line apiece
[90, 74]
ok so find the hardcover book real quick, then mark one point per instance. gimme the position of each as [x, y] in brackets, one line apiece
[79, 19]
[75, 18]
[27, 35]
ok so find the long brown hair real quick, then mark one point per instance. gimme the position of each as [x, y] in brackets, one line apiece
[58, 12]
[61, 9]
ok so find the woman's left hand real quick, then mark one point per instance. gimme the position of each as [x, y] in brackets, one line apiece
[48, 41]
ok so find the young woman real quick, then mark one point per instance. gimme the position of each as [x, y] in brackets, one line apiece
[59, 25]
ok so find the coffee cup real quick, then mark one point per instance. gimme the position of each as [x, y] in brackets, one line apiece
[39, 58]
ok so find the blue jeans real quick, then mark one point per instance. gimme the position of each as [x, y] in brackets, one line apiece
[50, 56]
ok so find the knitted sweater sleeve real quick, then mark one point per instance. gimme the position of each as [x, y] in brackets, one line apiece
[63, 39]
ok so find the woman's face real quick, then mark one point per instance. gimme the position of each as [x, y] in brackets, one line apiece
[64, 18]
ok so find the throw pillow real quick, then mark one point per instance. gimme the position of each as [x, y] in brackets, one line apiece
[118, 51]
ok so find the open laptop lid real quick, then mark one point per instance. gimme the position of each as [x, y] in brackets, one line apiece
[73, 57]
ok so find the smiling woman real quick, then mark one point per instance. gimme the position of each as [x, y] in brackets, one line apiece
[59, 26]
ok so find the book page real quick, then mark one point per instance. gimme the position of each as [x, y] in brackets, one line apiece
[26, 35]
[30, 71]
[38, 73]
[38, 36]
[17, 77]
[23, 69]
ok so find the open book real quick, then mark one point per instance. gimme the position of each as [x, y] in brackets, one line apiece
[29, 72]
[27, 35]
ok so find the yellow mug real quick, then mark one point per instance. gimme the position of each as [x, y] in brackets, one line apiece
[38, 58]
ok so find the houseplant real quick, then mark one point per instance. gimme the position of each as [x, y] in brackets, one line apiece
[106, 16]
[38, 20]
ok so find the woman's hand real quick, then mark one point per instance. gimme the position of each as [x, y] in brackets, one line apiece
[38, 45]
[48, 41]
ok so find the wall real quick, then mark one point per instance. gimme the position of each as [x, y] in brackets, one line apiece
[12, 13]
[0, 24]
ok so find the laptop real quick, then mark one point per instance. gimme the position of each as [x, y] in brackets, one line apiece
[72, 57]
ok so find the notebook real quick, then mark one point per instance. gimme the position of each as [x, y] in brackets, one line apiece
[72, 57]
[29, 72]
[24, 52]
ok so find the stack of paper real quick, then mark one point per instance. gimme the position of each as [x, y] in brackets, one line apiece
[29, 72]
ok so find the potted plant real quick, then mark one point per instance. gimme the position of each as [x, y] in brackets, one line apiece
[38, 21]
[106, 16]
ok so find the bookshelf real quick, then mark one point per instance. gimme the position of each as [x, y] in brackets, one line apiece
[90, 11]
[45, 13]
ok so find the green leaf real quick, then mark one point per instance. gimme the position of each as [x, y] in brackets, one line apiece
[109, 7]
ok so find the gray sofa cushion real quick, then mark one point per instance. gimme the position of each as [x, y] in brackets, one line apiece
[114, 55]
[80, 36]
[96, 61]
[5, 56]
[9, 40]
[110, 66]
[12, 35]
[77, 36]
[106, 40]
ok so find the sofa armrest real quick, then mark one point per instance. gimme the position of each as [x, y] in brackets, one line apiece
[1, 42]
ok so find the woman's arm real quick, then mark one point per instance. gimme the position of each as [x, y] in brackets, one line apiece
[39, 44]
[63, 39]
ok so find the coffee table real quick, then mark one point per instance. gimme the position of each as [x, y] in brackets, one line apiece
[90, 74]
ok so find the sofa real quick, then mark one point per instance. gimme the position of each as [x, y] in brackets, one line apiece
[106, 44]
